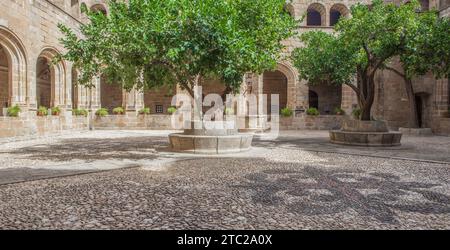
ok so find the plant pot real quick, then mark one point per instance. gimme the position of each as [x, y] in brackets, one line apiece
[55, 113]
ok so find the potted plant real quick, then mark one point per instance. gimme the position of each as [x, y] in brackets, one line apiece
[56, 111]
[356, 113]
[312, 112]
[339, 111]
[144, 111]
[101, 112]
[287, 112]
[118, 111]
[42, 111]
[80, 112]
[171, 110]
[13, 111]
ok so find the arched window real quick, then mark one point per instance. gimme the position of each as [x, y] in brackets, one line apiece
[338, 11]
[315, 15]
[99, 8]
[290, 9]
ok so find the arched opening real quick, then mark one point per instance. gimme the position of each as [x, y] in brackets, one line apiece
[275, 82]
[50, 80]
[44, 82]
[5, 88]
[315, 15]
[159, 100]
[13, 70]
[313, 99]
[289, 9]
[337, 11]
[99, 8]
[74, 88]
[326, 98]
[111, 95]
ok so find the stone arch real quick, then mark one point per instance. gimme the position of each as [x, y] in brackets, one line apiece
[50, 79]
[100, 8]
[336, 12]
[280, 81]
[289, 8]
[14, 67]
[316, 15]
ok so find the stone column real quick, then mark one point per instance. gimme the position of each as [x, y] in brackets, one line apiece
[133, 100]
[94, 94]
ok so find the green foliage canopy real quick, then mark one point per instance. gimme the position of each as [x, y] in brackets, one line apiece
[152, 43]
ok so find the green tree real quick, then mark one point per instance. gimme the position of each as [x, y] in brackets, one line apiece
[154, 43]
[360, 47]
[427, 49]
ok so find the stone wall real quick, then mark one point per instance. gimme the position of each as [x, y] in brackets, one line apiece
[133, 122]
[40, 126]
[306, 122]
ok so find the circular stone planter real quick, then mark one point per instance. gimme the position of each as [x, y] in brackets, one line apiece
[210, 141]
[365, 133]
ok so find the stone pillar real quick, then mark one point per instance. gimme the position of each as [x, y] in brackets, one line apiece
[94, 94]
[133, 100]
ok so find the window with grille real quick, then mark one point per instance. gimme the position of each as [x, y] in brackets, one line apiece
[159, 109]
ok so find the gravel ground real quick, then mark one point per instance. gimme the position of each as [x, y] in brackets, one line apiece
[280, 187]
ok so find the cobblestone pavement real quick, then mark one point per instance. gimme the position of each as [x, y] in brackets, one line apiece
[278, 186]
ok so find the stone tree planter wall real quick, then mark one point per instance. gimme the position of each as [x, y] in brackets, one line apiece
[211, 141]
[365, 133]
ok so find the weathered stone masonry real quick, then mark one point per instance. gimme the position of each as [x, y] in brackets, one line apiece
[29, 40]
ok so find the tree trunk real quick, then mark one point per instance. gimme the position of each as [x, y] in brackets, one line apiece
[414, 117]
[369, 96]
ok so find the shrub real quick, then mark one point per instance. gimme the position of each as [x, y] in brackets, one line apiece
[312, 111]
[42, 111]
[229, 111]
[356, 113]
[171, 110]
[339, 111]
[144, 111]
[102, 112]
[118, 111]
[287, 112]
[80, 112]
[13, 111]
[56, 111]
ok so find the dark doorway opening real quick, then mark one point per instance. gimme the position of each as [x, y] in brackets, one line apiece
[419, 108]
[313, 99]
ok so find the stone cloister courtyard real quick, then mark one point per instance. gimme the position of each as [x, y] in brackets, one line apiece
[131, 180]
